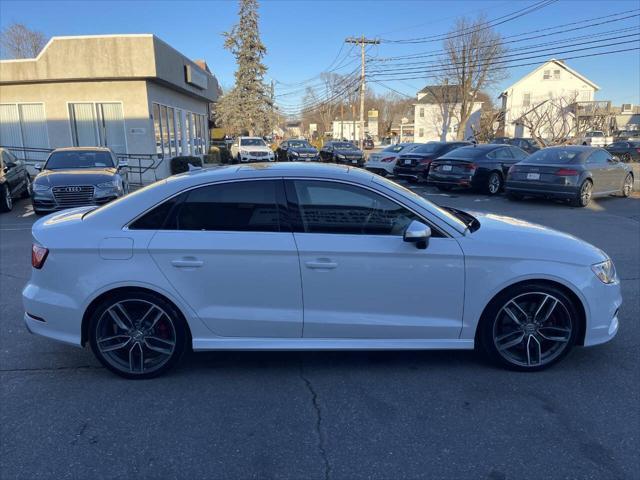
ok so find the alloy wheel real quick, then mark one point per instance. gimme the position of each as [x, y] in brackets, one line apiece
[585, 193]
[627, 188]
[8, 201]
[494, 183]
[532, 329]
[136, 336]
[626, 157]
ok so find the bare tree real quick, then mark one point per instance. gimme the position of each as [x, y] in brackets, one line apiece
[472, 49]
[18, 41]
[392, 107]
[490, 119]
[323, 103]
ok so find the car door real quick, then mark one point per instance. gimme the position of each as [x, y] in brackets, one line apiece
[504, 158]
[360, 279]
[602, 171]
[230, 254]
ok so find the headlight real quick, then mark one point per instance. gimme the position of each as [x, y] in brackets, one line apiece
[39, 187]
[340, 156]
[295, 154]
[108, 185]
[605, 271]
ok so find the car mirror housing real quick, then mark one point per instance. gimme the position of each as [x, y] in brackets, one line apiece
[418, 233]
[38, 166]
[123, 164]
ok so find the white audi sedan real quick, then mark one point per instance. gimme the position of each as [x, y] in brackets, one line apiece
[295, 256]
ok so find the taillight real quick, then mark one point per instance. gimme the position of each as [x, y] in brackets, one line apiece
[388, 159]
[470, 166]
[566, 172]
[38, 256]
[425, 161]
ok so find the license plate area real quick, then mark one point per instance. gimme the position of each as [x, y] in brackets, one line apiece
[533, 176]
[446, 168]
[407, 162]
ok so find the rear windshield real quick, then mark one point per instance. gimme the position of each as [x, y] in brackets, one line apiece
[464, 153]
[553, 156]
[396, 148]
[79, 159]
[428, 148]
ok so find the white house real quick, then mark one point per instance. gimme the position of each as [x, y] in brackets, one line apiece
[551, 80]
[437, 113]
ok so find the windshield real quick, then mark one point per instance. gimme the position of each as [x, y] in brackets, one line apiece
[344, 146]
[552, 155]
[595, 134]
[79, 159]
[252, 142]
[299, 144]
[428, 148]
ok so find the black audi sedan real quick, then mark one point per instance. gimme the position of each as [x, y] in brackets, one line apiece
[296, 151]
[415, 164]
[76, 177]
[14, 180]
[342, 152]
[481, 167]
[574, 173]
[627, 151]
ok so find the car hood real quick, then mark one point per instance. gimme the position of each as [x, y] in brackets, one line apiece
[508, 237]
[303, 150]
[255, 148]
[79, 176]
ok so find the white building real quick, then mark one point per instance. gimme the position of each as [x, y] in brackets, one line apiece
[348, 129]
[552, 80]
[437, 113]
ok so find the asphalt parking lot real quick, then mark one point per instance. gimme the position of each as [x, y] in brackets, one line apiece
[329, 415]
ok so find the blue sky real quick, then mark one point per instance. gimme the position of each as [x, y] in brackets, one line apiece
[304, 37]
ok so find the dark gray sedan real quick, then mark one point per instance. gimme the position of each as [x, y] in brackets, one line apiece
[574, 173]
[75, 177]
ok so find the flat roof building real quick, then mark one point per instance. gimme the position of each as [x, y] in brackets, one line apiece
[132, 93]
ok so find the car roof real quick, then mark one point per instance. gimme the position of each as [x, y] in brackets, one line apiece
[82, 149]
[574, 148]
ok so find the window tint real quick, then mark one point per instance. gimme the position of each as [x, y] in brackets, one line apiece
[329, 207]
[158, 217]
[502, 154]
[518, 154]
[237, 206]
[599, 157]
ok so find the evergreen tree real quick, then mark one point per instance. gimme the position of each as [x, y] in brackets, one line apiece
[248, 106]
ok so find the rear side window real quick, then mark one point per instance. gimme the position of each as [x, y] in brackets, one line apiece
[237, 207]
[501, 154]
[518, 154]
[158, 217]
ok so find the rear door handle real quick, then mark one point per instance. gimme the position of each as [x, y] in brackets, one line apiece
[321, 264]
[187, 263]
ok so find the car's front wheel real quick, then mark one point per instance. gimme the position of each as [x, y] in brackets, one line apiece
[529, 327]
[627, 186]
[6, 202]
[137, 334]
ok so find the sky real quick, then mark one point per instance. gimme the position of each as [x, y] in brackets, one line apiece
[305, 37]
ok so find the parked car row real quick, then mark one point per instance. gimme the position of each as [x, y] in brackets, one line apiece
[70, 177]
[573, 173]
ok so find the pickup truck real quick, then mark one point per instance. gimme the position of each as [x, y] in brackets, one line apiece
[595, 138]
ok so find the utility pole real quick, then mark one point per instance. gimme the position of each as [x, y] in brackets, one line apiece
[362, 41]
[341, 120]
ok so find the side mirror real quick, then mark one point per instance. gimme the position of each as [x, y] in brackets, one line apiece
[9, 166]
[123, 164]
[38, 166]
[418, 233]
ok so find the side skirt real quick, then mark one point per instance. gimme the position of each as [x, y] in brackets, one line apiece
[200, 344]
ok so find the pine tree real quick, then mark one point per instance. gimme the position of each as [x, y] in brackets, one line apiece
[247, 107]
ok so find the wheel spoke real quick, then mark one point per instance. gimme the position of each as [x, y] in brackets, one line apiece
[156, 348]
[115, 346]
[122, 324]
[131, 356]
[555, 334]
[513, 315]
[545, 310]
[532, 337]
[511, 343]
[164, 341]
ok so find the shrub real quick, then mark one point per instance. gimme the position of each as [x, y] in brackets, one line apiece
[181, 164]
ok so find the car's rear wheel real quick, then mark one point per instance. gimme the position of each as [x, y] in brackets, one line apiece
[529, 327]
[137, 335]
[626, 157]
[627, 186]
[6, 202]
[494, 183]
[583, 197]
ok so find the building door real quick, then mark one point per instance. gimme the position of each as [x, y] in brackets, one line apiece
[111, 126]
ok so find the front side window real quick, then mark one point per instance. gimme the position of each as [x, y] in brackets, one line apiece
[599, 157]
[337, 208]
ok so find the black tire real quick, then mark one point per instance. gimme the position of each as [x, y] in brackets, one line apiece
[625, 157]
[489, 333]
[514, 196]
[444, 188]
[26, 193]
[138, 337]
[627, 186]
[6, 202]
[583, 196]
[494, 183]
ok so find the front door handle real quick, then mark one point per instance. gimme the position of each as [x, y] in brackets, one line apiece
[187, 263]
[321, 264]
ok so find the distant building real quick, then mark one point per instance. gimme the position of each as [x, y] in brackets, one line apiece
[347, 129]
[553, 79]
[132, 93]
[437, 113]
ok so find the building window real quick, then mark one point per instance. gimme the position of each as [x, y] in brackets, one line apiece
[526, 100]
[98, 124]
[421, 112]
[179, 132]
[556, 74]
[23, 125]
[421, 132]
[165, 132]
[157, 128]
[546, 75]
